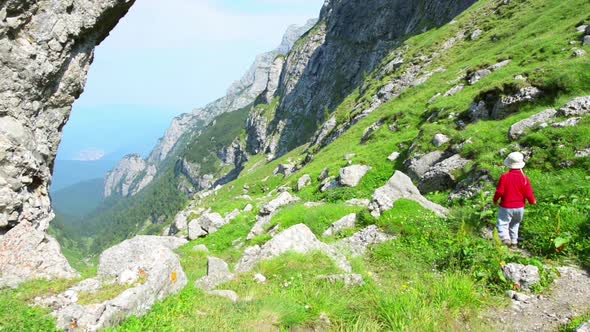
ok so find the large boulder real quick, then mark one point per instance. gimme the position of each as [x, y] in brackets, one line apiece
[577, 107]
[418, 166]
[520, 127]
[440, 176]
[509, 104]
[218, 273]
[303, 182]
[358, 244]
[27, 253]
[146, 263]
[211, 222]
[283, 199]
[345, 223]
[523, 276]
[299, 239]
[351, 176]
[398, 187]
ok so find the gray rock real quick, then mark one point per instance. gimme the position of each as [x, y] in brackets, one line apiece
[310, 205]
[455, 90]
[228, 294]
[329, 184]
[520, 127]
[582, 29]
[180, 223]
[282, 200]
[586, 40]
[393, 156]
[27, 253]
[195, 230]
[324, 175]
[147, 257]
[472, 186]
[358, 202]
[299, 239]
[349, 156]
[400, 186]
[211, 222]
[346, 222]
[368, 133]
[478, 76]
[232, 215]
[577, 107]
[359, 243]
[354, 280]
[303, 182]
[578, 53]
[509, 104]
[440, 176]
[285, 169]
[419, 166]
[479, 111]
[571, 122]
[584, 327]
[201, 248]
[583, 153]
[259, 228]
[218, 273]
[248, 208]
[124, 177]
[440, 140]
[525, 276]
[476, 34]
[351, 176]
[259, 278]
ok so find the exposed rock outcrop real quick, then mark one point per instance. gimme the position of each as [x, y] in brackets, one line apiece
[398, 187]
[358, 244]
[337, 53]
[517, 129]
[337, 227]
[147, 264]
[218, 273]
[299, 239]
[124, 178]
[46, 48]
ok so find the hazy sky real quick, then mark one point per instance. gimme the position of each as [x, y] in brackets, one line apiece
[166, 58]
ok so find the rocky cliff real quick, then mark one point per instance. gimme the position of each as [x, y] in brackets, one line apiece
[261, 80]
[350, 40]
[46, 48]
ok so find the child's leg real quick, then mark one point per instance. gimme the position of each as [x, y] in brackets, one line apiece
[517, 216]
[504, 219]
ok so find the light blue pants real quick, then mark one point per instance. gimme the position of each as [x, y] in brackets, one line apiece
[508, 224]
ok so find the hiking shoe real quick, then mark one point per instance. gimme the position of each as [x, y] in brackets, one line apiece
[506, 243]
[514, 246]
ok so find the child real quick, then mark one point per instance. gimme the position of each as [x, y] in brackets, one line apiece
[514, 187]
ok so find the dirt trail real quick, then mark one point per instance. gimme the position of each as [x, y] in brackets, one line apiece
[569, 298]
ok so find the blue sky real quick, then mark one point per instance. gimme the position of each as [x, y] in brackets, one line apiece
[166, 59]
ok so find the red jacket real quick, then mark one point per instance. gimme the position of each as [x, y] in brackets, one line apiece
[514, 187]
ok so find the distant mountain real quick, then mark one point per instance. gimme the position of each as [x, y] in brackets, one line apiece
[79, 199]
[70, 172]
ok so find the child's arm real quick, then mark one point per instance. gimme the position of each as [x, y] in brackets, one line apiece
[499, 190]
[529, 193]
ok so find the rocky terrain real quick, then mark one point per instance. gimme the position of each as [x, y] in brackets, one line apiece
[46, 51]
[352, 191]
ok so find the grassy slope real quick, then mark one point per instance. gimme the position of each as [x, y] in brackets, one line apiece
[439, 273]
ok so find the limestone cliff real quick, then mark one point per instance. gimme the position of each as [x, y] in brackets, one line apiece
[351, 39]
[46, 48]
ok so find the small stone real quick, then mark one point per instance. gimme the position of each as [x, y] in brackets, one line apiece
[248, 208]
[440, 139]
[228, 294]
[476, 34]
[581, 28]
[393, 156]
[259, 278]
[586, 40]
[346, 222]
[579, 53]
[351, 176]
[200, 248]
[303, 182]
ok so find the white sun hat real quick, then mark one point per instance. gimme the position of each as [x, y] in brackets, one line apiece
[515, 160]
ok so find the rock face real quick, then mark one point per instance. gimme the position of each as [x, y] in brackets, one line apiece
[358, 244]
[123, 179]
[208, 223]
[519, 128]
[335, 54]
[346, 222]
[267, 212]
[299, 239]
[440, 176]
[217, 273]
[46, 48]
[351, 176]
[398, 187]
[146, 263]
